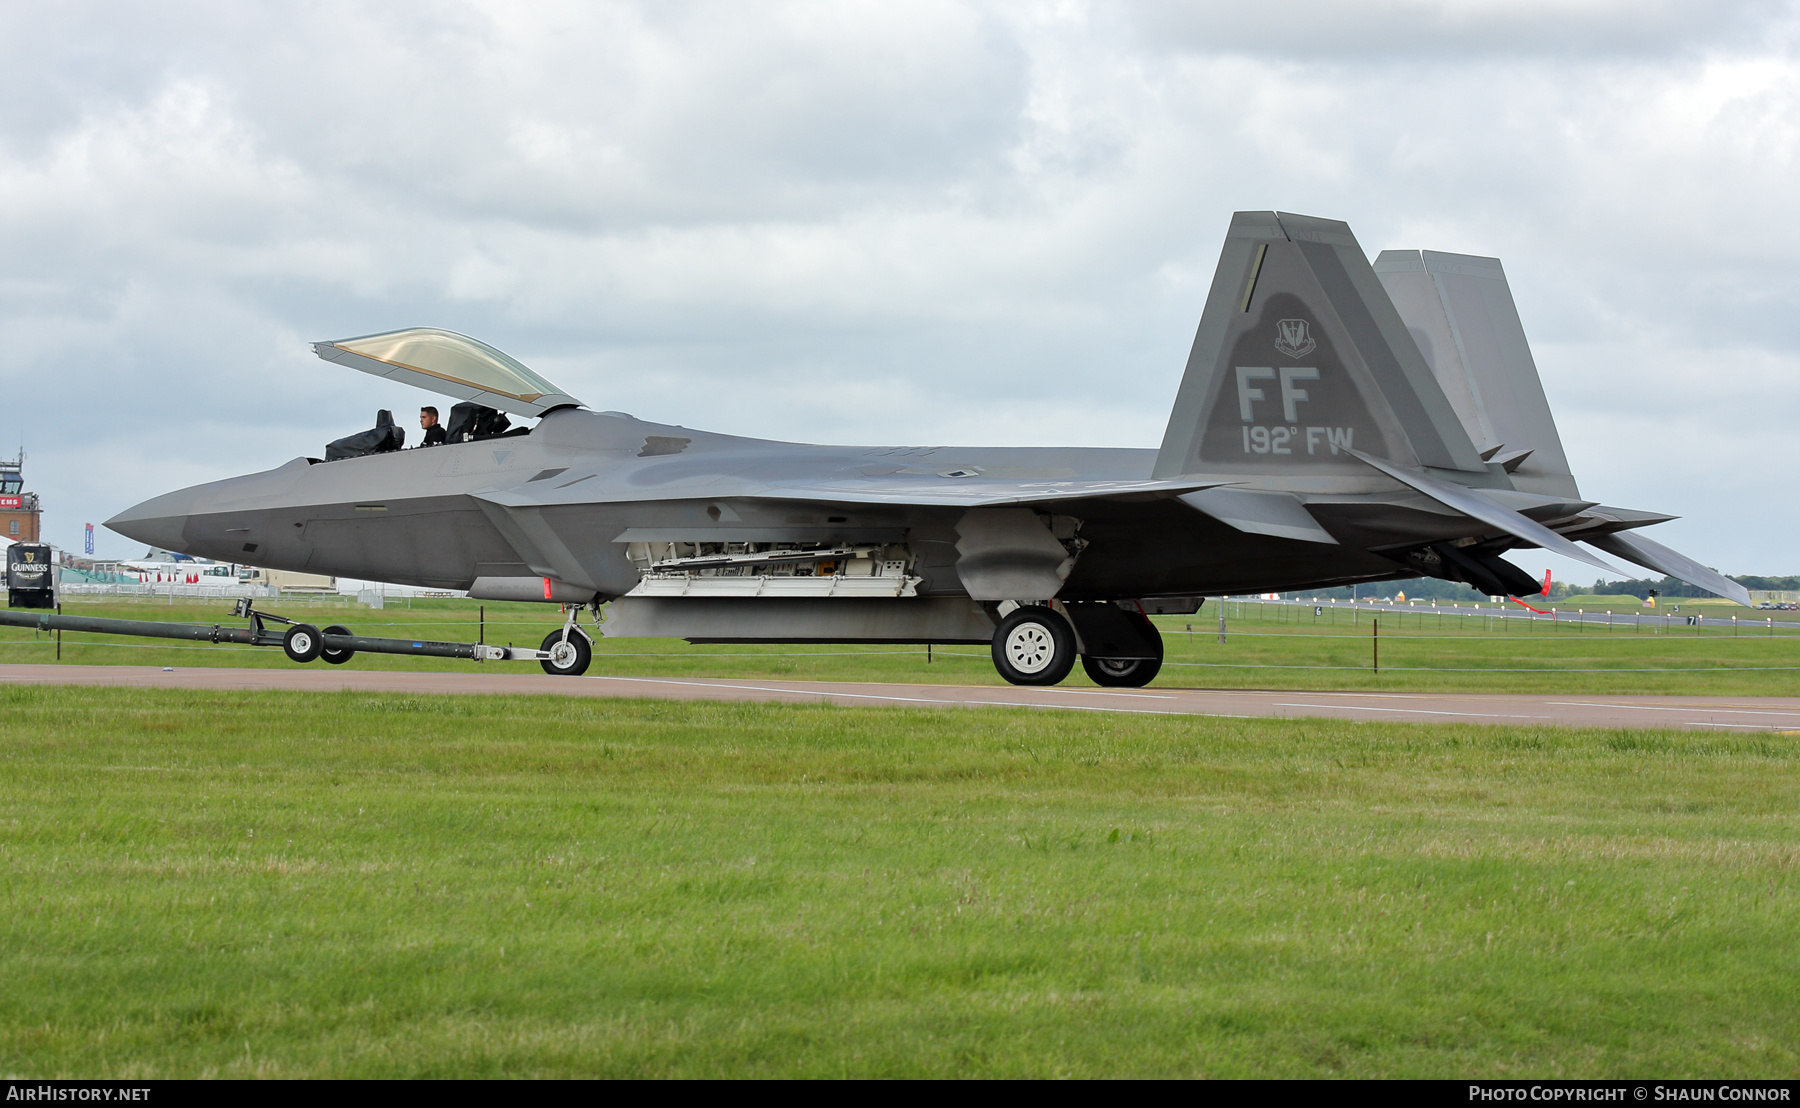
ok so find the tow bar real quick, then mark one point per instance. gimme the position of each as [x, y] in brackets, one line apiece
[565, 652]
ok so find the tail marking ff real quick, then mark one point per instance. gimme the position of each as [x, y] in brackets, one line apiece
[1300, 357]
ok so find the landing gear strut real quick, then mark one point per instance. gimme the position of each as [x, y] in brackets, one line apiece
[568, 650]
[1035, 645]
[569, 657]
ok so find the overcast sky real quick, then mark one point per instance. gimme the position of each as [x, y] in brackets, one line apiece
[914, 223]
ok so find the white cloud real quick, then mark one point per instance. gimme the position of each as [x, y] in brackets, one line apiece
[932, 222]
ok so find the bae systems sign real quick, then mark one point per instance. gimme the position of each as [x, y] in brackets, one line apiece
[12, 502]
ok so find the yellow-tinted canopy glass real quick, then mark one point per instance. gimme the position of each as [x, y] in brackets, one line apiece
[448, 363]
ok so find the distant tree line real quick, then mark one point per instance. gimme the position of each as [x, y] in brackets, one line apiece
[1415, 588]
[1668, 586]
[1431, 588]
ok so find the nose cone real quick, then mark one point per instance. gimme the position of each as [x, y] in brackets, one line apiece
[209, 520]
[157, 522]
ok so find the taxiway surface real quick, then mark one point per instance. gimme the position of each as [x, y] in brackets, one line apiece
[1700, 712]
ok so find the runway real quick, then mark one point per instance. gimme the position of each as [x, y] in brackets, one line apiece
[1681, 712]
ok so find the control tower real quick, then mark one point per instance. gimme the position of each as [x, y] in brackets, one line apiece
[19, 510]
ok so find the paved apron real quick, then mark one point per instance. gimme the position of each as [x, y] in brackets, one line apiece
[1742, 713]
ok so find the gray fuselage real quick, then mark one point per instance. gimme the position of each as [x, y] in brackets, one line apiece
[557, 502]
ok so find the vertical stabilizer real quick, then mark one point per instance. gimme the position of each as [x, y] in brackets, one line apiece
[1460, 311]
[1300, 358]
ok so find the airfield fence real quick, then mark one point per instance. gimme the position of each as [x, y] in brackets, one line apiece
[1330, 613]
[168, 592]
[1243, 618]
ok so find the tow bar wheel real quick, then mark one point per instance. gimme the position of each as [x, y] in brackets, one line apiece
[569, 655]
[336, 657]
[302, 642]
[1034, 646]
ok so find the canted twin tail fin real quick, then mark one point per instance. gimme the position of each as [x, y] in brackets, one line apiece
[1301, 358]
[1460, 312]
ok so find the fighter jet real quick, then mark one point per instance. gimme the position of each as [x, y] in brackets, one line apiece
[1338, 423]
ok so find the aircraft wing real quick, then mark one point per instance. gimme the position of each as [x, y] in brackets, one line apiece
[925, 493]
[955, 493]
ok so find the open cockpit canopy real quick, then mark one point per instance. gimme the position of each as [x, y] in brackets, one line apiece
[448, 364]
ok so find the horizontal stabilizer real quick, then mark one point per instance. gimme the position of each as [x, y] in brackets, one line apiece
[1254, 512]
[1654, 555]
[1474, 505]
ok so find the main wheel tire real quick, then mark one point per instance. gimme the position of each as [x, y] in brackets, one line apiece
[336, 657]
[567, 659]
[1128, 673]
[1121, 673]
[302, 642]
[1034, 646]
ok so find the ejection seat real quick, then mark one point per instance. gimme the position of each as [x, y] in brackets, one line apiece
[470, 422]
[381, 439]
[448, 364]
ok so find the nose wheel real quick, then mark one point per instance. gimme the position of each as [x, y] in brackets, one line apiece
[569, 652]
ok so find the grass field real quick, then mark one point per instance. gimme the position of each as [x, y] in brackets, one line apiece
[1266, 647]
[254, 884]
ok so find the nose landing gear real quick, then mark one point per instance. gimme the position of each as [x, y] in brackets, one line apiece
[569, 653]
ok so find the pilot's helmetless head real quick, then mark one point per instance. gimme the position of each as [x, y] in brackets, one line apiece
[428, 417]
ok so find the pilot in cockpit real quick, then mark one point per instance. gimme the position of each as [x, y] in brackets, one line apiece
[434, 431]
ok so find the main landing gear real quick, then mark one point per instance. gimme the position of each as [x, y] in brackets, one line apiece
[1035, 645]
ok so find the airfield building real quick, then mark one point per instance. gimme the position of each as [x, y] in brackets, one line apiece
[20, 511]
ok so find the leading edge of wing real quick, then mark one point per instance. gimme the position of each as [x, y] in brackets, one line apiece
[944, 493]
[992, 494]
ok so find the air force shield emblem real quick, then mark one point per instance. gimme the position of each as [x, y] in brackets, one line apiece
[1292, 338]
